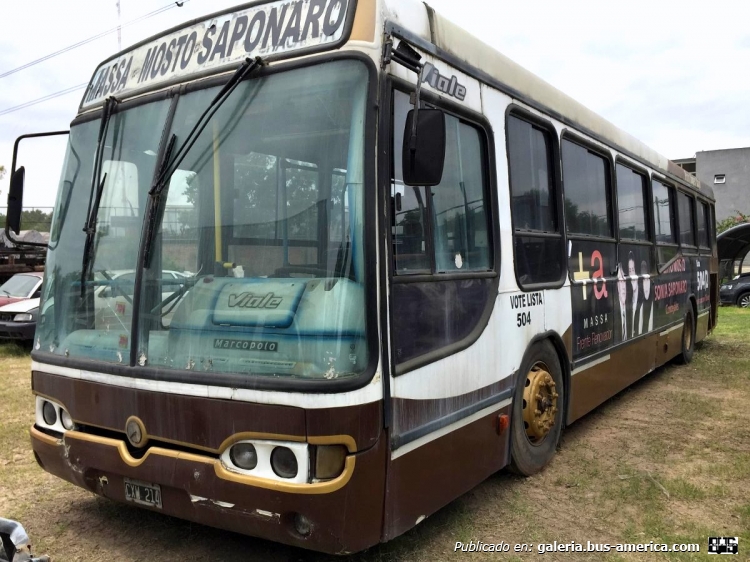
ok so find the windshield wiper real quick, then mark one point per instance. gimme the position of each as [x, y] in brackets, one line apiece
[95, 196]
[170, 163]
[90, 230]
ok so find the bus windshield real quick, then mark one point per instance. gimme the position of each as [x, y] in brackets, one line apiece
[257, 264]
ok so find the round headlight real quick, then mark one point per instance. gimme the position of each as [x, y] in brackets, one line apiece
[49, 413]
[66, 420]
[284, 463]
[244, 456]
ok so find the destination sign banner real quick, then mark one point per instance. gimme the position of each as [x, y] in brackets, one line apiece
[265, 30]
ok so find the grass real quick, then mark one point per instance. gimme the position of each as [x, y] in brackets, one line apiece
[667, 460]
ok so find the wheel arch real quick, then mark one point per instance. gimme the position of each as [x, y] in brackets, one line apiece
[742, 293]
[562, 355]
[694, 303]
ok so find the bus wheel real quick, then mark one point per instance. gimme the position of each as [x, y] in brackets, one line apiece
[688, 338]
[537, 411]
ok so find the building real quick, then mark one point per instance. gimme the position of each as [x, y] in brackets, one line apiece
[728, 171]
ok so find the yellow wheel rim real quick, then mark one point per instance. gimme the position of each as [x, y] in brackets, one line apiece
[539, 403]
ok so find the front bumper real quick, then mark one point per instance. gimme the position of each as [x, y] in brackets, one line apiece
[727, 297]
[346, 513]
[19, 331]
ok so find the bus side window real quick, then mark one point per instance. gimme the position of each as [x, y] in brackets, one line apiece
[538, 241]
[588, 202]
[632, 194]
[704, 219]
[441, 229]
[409, 230]
[459, 216]
[664, 221]
[686, 207]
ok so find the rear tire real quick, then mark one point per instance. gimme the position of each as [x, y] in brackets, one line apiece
[688, 338]
[537, 423]
[744, 300]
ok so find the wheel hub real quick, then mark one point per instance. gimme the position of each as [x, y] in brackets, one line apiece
[539, 403]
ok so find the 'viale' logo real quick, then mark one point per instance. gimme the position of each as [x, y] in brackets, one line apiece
[249, 300]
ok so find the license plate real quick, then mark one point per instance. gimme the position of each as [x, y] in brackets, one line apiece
[142, 493]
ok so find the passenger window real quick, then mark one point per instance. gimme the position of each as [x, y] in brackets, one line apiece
[686, 210]
[409, 230]
[532, 178]
[441, 229]
[663, 213]
[703, 222]
[588, 202]
[459, 217]
[632, 195]
[538, 256]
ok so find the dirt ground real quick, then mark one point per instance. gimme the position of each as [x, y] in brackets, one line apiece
[667, 460]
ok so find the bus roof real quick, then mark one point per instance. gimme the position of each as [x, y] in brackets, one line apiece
[461, 49]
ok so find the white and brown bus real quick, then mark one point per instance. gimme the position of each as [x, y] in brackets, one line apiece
[353, 262]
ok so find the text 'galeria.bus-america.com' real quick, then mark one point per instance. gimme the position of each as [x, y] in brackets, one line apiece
[313, 273]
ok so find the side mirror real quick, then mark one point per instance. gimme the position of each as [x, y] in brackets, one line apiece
[15, 199]
[15, 193]
[424, 148]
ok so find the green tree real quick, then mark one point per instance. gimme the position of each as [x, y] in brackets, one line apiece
[732, 221]
[34, 219]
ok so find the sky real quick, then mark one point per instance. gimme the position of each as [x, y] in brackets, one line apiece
[672, 73]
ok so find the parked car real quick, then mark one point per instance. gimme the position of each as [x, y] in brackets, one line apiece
[18, 320]
[21, 286]
[736, 291]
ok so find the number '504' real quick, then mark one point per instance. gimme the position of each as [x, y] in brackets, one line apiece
[523, 319]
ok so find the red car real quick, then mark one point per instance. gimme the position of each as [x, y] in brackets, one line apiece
[21, 286]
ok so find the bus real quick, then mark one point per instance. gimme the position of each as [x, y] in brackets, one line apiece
[373, 262]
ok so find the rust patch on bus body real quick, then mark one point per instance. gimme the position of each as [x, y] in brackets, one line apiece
[364, 22]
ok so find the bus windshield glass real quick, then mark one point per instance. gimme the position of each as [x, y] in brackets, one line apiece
[256, 266]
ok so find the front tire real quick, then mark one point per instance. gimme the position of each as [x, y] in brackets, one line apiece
[688, 338]
[537, 410]
[744, 300]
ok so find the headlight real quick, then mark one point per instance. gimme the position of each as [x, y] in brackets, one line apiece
[49, 413]
[26, 316]
[244, 456]
[330, 461]
[727, 287]
[66, 420]
[284, 462]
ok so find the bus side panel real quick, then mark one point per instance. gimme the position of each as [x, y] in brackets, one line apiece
[653, 320]
[423, 480]
[601, 379]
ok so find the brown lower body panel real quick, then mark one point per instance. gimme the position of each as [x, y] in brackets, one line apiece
[346, 520]
[702, 326]
[429, 477]
[592, 386]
